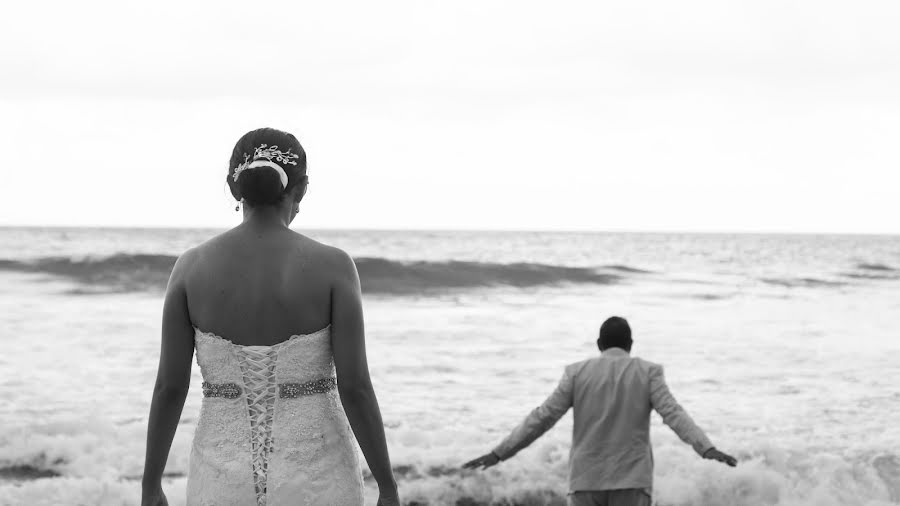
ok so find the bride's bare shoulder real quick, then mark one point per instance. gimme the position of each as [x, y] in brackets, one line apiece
[326, 256]
[215, 241]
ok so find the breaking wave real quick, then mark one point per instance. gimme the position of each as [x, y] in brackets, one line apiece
[379, 275]
[875, 267]
[873, 271]
[135, 272]
[121, 272]
[803, 282]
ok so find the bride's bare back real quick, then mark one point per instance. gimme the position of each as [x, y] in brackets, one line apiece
[259, 287]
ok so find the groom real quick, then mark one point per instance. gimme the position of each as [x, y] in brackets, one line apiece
[611, 461]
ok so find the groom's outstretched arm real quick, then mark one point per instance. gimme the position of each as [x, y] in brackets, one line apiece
[539, 420]
[673, 414]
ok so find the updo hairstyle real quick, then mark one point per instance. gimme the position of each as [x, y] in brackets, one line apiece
[262, 186]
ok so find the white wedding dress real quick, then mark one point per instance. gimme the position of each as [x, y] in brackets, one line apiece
[272, 431]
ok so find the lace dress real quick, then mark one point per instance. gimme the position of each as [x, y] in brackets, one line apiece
[272, 430]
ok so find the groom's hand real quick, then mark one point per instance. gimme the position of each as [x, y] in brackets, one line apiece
[714, 454]
[485, 461]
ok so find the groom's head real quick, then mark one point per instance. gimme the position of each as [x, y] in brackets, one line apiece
[615, 333]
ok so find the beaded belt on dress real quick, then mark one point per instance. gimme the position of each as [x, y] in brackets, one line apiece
[285, 390]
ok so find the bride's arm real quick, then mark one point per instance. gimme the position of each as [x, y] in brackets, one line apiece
[172, 377]
[354, 383]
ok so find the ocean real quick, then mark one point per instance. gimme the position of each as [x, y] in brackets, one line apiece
[784, 348]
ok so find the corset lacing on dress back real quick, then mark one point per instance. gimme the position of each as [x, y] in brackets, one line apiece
[271, 431]
[258, 368]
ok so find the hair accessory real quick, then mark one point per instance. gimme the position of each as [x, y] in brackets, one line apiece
[263, 156]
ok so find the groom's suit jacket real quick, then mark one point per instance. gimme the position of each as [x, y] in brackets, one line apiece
[612, 396]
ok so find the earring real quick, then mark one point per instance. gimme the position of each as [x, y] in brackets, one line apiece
[238, 205]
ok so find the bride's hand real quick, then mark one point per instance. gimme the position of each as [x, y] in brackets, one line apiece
[388, 498]
[154, 497]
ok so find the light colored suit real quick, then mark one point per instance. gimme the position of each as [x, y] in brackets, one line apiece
[612, 395]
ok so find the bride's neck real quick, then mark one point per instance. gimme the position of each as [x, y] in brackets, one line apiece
[267, 216]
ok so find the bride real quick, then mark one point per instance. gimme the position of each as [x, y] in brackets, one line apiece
[276, 319]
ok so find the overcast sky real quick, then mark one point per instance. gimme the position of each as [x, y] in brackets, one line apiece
[643, 115]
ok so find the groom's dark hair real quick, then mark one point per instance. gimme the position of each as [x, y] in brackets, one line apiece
[615, 333]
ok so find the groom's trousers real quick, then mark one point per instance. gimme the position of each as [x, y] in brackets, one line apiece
[620, 497]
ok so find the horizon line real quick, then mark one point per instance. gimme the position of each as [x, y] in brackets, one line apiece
[463, 230]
